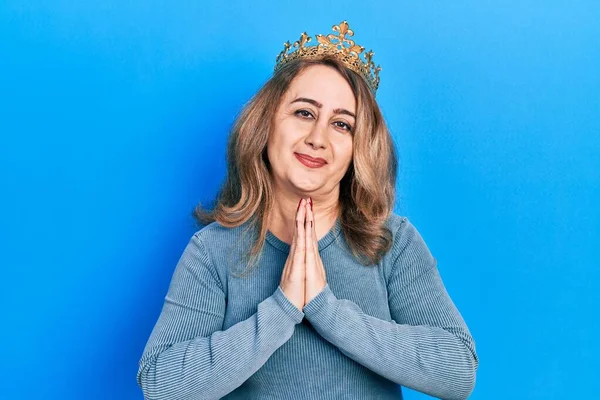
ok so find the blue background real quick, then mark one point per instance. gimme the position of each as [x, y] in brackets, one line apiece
[114, 119]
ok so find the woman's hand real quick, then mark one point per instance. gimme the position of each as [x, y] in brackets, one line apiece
[315, 271]
[294, 271]
[303, 275]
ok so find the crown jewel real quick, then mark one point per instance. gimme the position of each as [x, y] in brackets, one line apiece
[337, 45]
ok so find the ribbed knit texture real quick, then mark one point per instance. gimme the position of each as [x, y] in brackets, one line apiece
[371, 330]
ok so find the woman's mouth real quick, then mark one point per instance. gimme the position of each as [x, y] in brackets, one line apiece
[309, 161]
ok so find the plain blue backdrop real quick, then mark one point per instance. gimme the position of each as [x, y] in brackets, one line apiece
[114, 120]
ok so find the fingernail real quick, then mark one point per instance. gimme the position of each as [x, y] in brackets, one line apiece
[300, 202]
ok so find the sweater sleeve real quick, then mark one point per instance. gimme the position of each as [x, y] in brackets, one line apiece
[188, 355]
[427, 347]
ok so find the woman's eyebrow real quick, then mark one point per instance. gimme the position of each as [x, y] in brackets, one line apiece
[319, 105]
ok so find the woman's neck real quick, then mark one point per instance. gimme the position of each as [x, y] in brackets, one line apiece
[283, 215]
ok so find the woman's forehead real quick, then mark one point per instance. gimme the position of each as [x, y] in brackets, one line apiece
[322, 91]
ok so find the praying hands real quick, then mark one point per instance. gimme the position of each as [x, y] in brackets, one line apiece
[303, 276]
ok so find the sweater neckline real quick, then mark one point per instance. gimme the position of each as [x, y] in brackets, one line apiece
[323, 243]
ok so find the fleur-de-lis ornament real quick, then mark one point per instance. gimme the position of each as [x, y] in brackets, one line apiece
[304, 38]
[286, 46]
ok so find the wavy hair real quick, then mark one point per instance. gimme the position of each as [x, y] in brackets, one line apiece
[367, 190]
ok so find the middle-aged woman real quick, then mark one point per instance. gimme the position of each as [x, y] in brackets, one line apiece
[304, 284]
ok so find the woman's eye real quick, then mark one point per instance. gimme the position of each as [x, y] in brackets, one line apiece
[304, 113]
[345, 126]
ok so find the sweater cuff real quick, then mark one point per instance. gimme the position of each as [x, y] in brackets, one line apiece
[321, 307]
[290, 309]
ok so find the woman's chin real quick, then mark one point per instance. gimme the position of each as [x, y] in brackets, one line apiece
[305, 185]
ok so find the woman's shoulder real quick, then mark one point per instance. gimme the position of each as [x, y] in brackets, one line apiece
[395, 221]
[403, 230]
[215, 234]
[408, 244]
[401, 226]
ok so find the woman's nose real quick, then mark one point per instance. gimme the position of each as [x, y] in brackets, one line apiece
[317, 135]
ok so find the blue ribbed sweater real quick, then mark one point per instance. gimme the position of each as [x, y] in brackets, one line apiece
[371, 330]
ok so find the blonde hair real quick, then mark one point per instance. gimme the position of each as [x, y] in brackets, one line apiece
[367, 190]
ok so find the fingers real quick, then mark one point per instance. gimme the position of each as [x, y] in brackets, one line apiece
[295, 235]
[313, 248]
[314, 228]
[299, 243]
[288, 269]
[310, 243]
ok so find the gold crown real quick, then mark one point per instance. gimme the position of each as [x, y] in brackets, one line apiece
[334, 45]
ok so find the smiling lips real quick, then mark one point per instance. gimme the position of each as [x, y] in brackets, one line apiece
[310, 161]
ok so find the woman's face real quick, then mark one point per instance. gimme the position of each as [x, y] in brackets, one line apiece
[315, 119]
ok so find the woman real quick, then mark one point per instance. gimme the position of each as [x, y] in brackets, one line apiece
[337, 297]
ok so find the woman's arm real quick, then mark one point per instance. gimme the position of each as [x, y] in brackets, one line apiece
[188, 355]
[427, 346]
